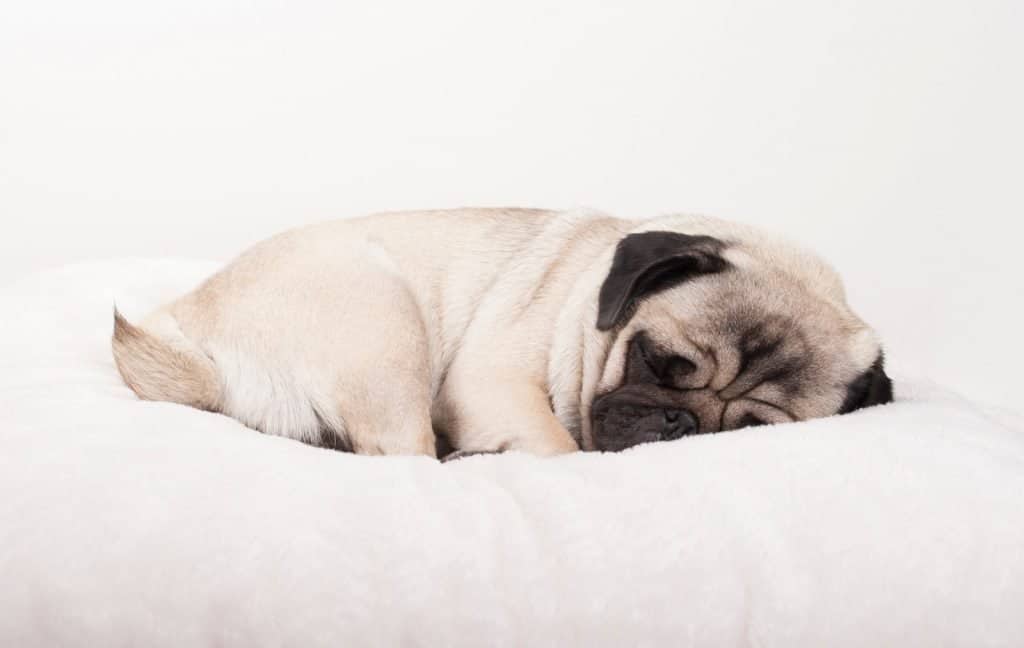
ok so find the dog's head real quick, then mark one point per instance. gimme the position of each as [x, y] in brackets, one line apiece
[725, 331]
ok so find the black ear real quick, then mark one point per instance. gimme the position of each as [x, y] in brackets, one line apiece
[873, 387]
[647, 262]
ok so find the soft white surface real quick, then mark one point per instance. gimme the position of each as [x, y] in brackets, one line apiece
[134, 523]
[886, 134]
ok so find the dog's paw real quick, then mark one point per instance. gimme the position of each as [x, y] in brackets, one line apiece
[462, 454]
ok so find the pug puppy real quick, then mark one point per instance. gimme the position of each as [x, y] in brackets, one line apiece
[510, 329]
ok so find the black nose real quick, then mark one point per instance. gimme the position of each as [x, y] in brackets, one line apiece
[678, 423]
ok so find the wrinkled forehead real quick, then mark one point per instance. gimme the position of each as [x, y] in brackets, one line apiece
[793, 272]
[750, 248]
[753, 300]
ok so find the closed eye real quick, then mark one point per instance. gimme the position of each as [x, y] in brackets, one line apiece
[776, 406]
[749, 420]
[642, 364]
[645, 364]
[650, 361]
[676, 369]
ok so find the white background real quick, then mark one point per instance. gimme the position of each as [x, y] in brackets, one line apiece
[887, 135]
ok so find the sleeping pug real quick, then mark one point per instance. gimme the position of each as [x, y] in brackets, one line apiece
[509, 329]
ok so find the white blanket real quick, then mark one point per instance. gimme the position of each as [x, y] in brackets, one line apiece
[129, 523]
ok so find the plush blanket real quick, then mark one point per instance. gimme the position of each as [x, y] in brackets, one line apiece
[129, 523]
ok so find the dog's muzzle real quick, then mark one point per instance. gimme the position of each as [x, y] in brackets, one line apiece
[620, 424]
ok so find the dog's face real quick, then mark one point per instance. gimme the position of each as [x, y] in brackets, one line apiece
[713, 334]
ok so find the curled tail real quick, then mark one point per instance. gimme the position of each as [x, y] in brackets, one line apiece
[164, 368]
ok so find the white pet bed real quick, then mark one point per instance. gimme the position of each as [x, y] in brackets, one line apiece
[129, 523]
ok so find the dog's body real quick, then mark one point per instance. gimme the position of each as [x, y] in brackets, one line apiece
[504, 329]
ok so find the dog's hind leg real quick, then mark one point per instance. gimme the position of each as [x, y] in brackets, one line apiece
[383, 380]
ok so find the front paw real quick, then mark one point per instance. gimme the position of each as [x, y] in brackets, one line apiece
[462, 454]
